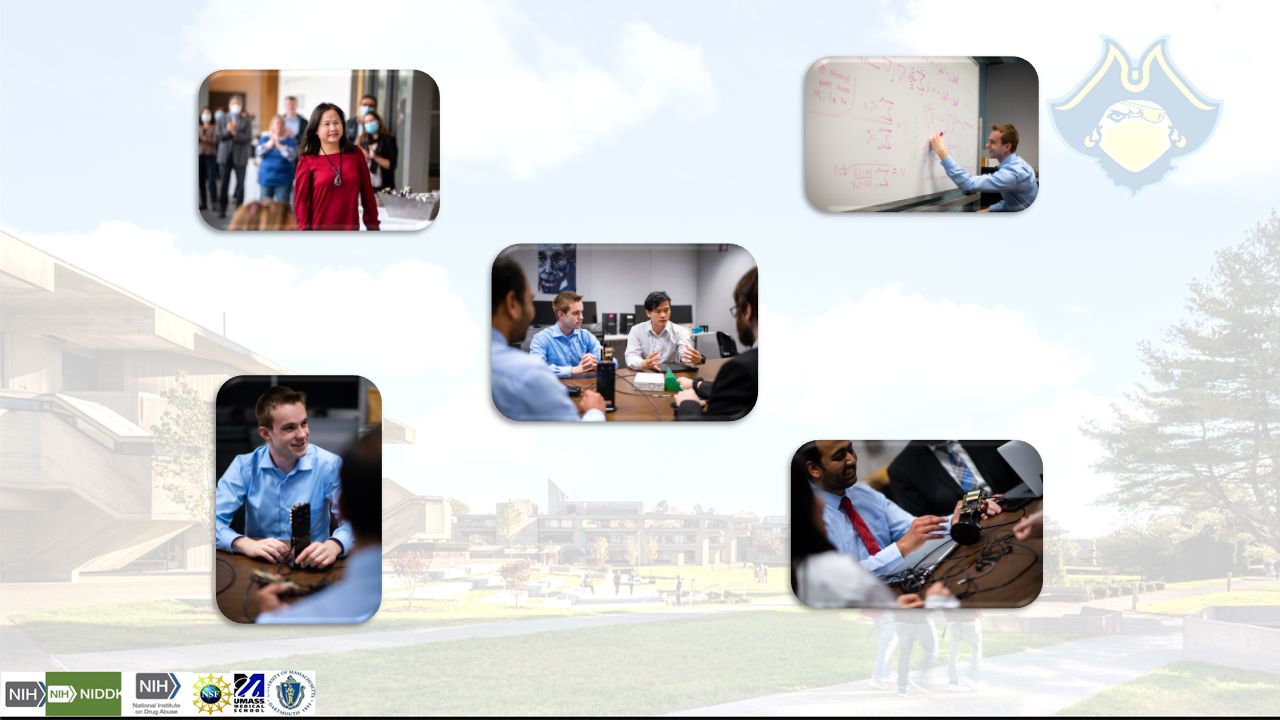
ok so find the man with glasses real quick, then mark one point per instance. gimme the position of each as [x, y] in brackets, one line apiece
[659, 341]
[733, 393]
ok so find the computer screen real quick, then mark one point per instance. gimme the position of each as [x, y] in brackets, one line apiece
[543, 313]
[680, 314]
[589, 312]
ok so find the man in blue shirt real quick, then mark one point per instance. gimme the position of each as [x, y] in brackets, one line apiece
[570, 350]
[522, 386]
[356, 597]
[862, 522]
[284, 471]
[1015, 180]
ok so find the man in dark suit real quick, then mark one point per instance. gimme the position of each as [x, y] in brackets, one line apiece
[235, 145]
[929, 476]
[733, 393]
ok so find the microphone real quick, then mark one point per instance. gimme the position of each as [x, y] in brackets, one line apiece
[300, 527]
[606, 378]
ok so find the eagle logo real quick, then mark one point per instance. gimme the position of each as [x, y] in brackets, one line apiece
[1135, 118]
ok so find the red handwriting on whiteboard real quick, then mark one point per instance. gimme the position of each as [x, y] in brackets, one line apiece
[867, 175]
[832, 94]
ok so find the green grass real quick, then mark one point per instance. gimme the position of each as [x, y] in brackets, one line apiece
[1187, 688]
[654, 667]
[1268, 594]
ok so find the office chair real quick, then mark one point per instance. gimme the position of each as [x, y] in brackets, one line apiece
[728, 348]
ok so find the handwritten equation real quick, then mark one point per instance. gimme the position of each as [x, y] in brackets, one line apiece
[832, 94]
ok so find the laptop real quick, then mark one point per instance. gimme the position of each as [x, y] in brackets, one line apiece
[1026, 462]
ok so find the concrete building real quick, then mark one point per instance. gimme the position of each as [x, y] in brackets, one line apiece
[88, 374]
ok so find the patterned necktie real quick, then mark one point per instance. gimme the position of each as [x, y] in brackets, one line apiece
[962, 469]
[860, 526]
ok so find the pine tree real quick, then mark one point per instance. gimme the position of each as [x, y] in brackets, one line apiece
[1201, 439]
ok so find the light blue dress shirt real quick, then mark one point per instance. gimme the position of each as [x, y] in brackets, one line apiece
[254, 481]
[524, 388]
[1015, 181]
[354, 598]
[563, 352]
[887, 522]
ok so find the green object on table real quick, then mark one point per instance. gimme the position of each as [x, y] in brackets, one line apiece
[671, 384]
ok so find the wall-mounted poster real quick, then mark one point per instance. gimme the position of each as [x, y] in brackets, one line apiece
[557, 267]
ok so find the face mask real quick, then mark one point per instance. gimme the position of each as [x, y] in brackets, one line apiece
[219, 115]
[365, 109]
[204, 117]
[235, 109]
[371, 127]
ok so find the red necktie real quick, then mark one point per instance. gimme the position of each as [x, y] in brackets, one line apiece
[860, 526]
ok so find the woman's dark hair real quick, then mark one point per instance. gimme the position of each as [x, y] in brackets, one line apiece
[806, 538]
[310, 144]
[382, 127]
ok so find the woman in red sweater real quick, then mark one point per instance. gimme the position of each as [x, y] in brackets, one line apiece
[332, 177]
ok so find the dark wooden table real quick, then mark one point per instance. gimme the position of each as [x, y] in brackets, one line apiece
[999, 571]
[233, 576]
[644, 405]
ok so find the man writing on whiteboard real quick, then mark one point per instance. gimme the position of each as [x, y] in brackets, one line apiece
[1015, 180]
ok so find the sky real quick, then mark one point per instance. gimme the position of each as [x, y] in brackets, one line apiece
[666, 122]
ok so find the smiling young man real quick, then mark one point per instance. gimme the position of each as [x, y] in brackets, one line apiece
[1015, 180]
[284, 471]
[658, 340]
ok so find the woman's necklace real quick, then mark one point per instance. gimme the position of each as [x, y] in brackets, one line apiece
[337, 171]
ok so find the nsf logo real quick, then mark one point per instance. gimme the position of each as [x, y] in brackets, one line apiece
[212, 694]
[292, 692]
[1135, 117]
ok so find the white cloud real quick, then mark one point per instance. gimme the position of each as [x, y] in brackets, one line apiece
[903, 365]
[511, 95]
[342, 321]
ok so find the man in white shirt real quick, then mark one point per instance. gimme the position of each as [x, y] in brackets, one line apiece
[660, 341]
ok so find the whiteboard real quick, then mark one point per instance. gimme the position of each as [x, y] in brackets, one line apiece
[867, 124]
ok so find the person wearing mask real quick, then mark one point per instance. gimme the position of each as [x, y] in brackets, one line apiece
[524, 387]
[208, 168]
[295, 123]
[379, 148]
[367, 104]
[235, 143]
[278, 154]
[733, 393]
[332, 180]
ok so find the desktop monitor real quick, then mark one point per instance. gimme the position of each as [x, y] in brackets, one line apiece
[543, 313]
[611, 324]
[628, 322]
[680, 314]
[589, 312]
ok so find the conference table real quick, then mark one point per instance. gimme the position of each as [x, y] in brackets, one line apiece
[235, 591]
[636, 404]
[999, 571]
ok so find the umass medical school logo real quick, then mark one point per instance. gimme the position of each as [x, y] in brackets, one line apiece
[1135, 118]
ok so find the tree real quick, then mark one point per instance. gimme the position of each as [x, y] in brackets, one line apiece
[510, 519]
[457, 507]
[599, 554]
[770, 548]
[515, 576]
[633, 552]
[662, 507]
[1203, 436]
[411, 566]
[184, 450]
[651, 549]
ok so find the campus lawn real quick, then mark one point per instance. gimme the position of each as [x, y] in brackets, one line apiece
[1268, 594]
[651, 667]
[1187, 688]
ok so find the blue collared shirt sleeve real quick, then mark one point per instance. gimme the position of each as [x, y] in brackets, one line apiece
[1002, 180]
[885, 562]
[539, 349]
[229, 497]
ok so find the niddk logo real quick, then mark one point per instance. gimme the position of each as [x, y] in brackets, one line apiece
[291, 692]
[1135, 118]
[82, 693]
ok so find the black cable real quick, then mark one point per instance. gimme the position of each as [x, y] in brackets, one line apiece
[657, 414]
[230, 570]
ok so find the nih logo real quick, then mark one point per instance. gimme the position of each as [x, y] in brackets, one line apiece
[157, 686]
[24, 694]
